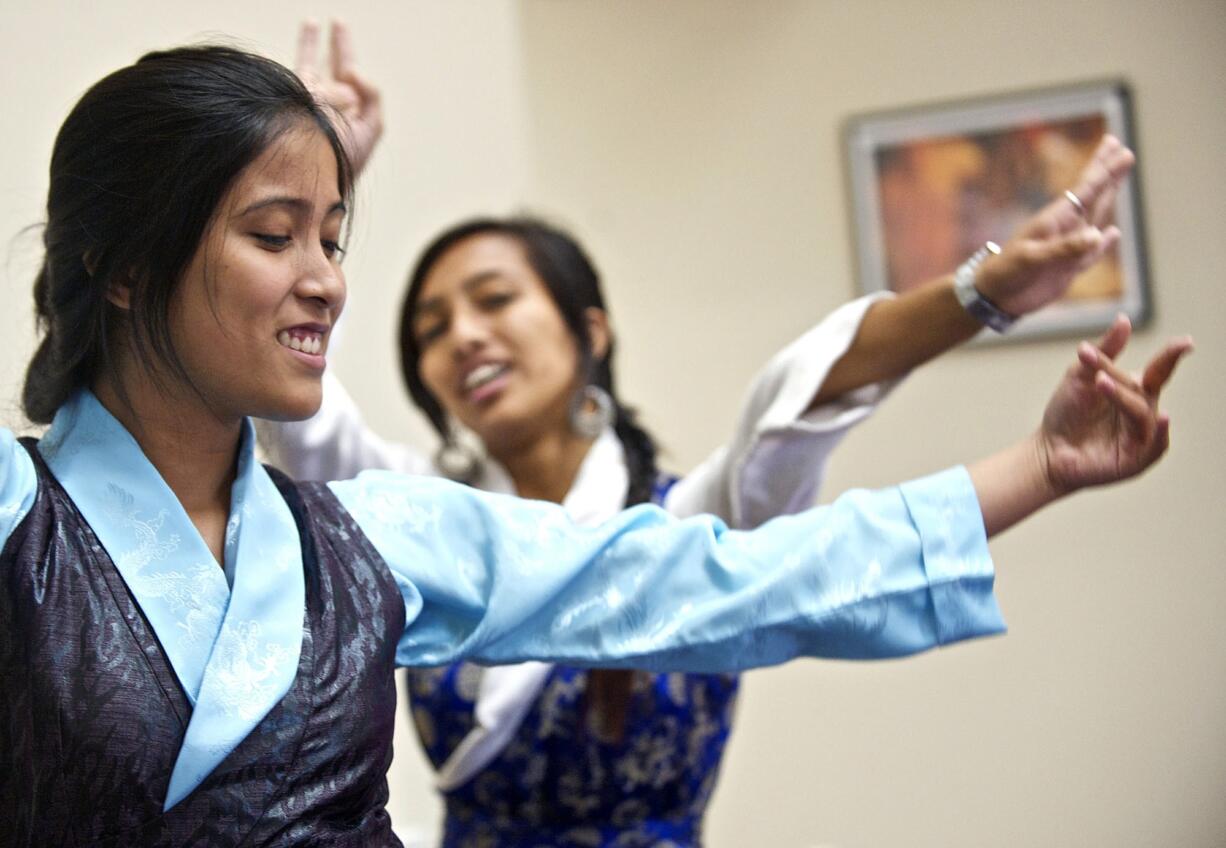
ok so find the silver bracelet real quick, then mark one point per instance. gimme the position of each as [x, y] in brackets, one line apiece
[977, 306]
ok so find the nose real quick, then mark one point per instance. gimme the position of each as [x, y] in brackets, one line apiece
[467, 330]
[322, 280]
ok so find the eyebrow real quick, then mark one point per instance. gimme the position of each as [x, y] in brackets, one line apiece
[477, 280]
[297, 204]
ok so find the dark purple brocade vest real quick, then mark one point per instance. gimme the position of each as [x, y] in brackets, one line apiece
[92, 714]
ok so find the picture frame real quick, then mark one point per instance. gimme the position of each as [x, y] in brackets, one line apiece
[929, 185]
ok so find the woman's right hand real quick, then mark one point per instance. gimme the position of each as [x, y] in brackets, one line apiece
[340, 86]
[1038, 263]
[1035, 267]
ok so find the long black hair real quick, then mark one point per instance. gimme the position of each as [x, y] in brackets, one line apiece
[138, 170]
[574, 284]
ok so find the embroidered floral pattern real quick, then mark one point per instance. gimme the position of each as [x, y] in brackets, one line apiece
[246, 666]
[557, 784]
[121, 509]
[192, 593]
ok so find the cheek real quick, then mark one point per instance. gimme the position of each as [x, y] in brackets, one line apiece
[431, 371]
[553, 351]
[559, 355]
[190, 322]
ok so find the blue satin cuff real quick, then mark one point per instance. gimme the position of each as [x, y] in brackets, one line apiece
[956, 560]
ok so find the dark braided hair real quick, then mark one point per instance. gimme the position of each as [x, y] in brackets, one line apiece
[574, 285]
[138, 170]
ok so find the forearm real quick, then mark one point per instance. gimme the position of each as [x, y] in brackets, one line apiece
[898, 335]
[1012, 484]
[775, 460]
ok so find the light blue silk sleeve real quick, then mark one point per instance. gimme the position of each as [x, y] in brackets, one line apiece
[498, 579]
[18, 484]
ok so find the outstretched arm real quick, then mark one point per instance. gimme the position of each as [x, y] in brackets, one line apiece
[875, 574]
[500, 579]
[810, 395]
[1034, 268]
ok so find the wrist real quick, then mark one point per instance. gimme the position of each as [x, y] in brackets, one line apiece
[972, 294]
[1052, 485]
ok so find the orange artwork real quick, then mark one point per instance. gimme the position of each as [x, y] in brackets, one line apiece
[941, 198]
[931, 184]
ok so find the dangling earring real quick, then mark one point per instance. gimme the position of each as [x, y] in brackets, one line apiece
[455, 459]
[591, 411]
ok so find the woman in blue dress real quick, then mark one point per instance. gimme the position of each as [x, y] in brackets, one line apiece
[196, 650]
[504, 331]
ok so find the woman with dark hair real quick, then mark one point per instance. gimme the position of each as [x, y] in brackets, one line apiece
[504, 334]
[194, 650]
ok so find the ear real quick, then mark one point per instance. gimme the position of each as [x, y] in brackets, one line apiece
[598, 331]
[119, 294]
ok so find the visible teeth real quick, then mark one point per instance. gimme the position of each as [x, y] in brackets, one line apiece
[309, 344]
[481, 375]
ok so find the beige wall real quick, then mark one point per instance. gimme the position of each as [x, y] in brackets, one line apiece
[694, 145]
[697, 146]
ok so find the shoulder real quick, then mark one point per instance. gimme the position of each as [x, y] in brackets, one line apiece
[19, 475]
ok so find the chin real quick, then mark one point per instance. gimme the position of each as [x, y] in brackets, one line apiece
[509, 431]
[292, 407]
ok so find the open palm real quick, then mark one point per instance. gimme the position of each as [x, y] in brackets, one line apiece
[1102, 424]
[1039, 262]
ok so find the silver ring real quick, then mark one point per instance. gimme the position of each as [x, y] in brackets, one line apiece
[1077, 204]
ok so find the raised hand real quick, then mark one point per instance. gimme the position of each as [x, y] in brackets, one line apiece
[343, 88]
[1103, 424]
[1037, 265]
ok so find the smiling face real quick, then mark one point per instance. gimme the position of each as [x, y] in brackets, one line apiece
[251, 318]
[495, 350]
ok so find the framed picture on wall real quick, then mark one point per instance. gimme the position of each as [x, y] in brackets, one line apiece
[930, 185]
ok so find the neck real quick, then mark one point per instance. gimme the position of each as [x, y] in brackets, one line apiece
[193, 451]
[545, 469]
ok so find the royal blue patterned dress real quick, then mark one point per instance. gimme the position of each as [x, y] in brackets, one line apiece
[563, 780]
[558, 783]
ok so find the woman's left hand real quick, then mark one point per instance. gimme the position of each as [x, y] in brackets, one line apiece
[1037, 265]
[343, 88]
[1102, 424]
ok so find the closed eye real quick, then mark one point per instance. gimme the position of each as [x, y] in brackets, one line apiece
[333, 250]
[427, 333]
[495, 301]
[272, 242]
